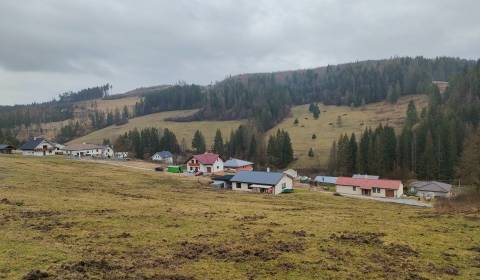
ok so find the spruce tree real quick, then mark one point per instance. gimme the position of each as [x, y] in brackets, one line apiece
[218, 145]
[198, 142]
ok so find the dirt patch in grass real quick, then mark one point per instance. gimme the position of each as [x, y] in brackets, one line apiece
[370, 238]
[251, 218]
[399, 250]
[35, 275]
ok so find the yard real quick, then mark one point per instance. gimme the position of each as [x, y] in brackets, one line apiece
[82, 220]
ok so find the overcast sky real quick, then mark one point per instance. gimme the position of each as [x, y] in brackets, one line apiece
[51, 46]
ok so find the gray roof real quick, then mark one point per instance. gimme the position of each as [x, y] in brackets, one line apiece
[233, 163]
[326, 179]
[258, 177]
[431, 186]
[164, 154]
[32, 144]
[6, 147]
[365, 176]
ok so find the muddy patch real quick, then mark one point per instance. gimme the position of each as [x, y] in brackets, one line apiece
[35, 275]
[399, 250]
[369, 238]
[251, 218]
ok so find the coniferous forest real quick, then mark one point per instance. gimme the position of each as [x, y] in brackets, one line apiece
[439, 142]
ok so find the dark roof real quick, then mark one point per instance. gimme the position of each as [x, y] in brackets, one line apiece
[223, 178]
[258, 177]
[234, 163]
[326, 179]
[6, 147]
[164, 154]
[431, 186]
[32, 144]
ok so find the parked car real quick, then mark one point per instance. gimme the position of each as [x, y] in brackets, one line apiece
[199, 173]
[159, 168]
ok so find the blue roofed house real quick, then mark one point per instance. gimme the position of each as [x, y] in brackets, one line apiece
[325, 180]
[163, 156]
[262, 182]
[238, 164]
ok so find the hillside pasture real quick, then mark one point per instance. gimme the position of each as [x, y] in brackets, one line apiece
[327, 129]
[181, 129]
[92, 221]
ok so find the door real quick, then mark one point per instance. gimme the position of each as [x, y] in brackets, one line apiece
[366, 192]
[389, 193]
[209, 169]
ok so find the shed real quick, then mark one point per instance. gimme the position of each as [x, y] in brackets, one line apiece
[260, 181]
[6, 149]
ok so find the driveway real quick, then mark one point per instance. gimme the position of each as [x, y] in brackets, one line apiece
[403, 201]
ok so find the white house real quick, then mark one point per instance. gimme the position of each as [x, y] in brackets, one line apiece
[369, 187]
[163, 156]
[207, 163]
[292, 173]
[430, 189]
[38, 146]
[89, 150]
[262, 182]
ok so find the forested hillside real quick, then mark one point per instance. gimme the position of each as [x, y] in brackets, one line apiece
[431, 144]
[268, 97]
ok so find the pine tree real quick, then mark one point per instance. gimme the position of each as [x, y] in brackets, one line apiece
[218, 145]
[469, 166]
[198, 143]
[310, 153]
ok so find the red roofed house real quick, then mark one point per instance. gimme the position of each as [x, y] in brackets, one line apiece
[369, 187]
[207, 163]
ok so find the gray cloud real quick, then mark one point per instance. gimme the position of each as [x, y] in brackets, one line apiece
[52, 46]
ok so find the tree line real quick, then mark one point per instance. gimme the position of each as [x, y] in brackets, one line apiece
[245, 143]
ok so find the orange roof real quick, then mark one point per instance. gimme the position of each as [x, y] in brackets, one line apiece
[369, 183]
[206, 158]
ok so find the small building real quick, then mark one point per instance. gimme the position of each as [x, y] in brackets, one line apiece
[430, 189]
[207, 163]
[174, 169]
[238, 164]
[163, 156]
[292, 173]
[262, 182]
[38, 146]
[89, 150]
[59, 149]
[6, 149]
[121, 155]
[365, 176]
[223, 182]
[369, 187]
[325, 180]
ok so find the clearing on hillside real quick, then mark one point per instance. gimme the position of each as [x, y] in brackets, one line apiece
[93, 221]
[327, 128]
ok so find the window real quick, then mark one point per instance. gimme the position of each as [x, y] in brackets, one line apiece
[249, 186]
[284, 186]
[354, 189]
[238, 185]
[376, 190]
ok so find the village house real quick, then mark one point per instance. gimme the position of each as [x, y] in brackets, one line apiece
[6, 149]
[163, 156]
[430, 189]
[292, 173]
[89, 150]
[38, 146]
[207, 163]
[262, 182]
[236, 165]
[369, 187]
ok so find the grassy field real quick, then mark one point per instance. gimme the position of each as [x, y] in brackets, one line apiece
[77, 220]
[327, 130]
[181, 130]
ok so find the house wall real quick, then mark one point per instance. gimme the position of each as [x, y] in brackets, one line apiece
[348, 190]
[285, 180]
[159, 158]
[92, 152]
[244, 168]
[237, 186]
[432, 194]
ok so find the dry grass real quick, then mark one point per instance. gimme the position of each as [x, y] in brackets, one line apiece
[77, 220]
[110, 105]
[326, 129]
[182, 130]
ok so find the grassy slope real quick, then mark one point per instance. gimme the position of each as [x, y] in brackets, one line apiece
[116, 223]
[352, 118]
[182, 130]
[326, 129]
